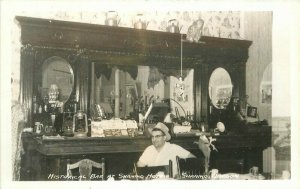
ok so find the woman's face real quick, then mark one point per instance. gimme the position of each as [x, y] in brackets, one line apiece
[158, 139]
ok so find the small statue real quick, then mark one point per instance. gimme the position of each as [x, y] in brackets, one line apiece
[204, 144]
[194, 32]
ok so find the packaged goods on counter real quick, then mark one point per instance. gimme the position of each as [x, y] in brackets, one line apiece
[113, 127]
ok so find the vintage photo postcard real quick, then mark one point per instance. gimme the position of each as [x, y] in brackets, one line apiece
[181, 94]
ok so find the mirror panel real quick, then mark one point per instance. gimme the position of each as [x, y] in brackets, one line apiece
[220, 88]
[58, 71]
[266, 86]
[137, 93]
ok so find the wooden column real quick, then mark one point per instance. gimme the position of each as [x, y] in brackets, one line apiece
[93, 86]
[98, 90]
[117, 93]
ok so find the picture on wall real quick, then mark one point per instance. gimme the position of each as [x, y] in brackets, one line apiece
[223, 94]
[266, 93]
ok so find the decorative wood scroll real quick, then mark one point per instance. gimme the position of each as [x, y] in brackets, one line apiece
[130, 46]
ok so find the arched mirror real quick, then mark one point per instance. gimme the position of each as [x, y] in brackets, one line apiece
[58, 72]
[266, 86]
[220, 88]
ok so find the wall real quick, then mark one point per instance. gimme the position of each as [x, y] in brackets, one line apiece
[258, 28]
[271, 67]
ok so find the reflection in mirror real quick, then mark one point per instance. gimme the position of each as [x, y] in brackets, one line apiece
[266, 86]
[57, 71]
[137, 93]
[220, 88]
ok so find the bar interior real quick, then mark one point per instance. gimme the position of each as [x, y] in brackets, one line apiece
[95, 95]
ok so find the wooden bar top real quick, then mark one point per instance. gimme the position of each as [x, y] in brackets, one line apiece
[52, 146]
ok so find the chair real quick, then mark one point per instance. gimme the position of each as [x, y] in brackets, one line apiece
[150, 172]
[86, 169]
[191, 168]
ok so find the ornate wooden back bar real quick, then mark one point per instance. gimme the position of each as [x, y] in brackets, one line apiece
[82, 43]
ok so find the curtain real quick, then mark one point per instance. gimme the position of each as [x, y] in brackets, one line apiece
[160, 73]
[105, 69]
[26, 81]
[22, 111]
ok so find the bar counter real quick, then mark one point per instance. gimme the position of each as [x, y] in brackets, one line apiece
[51, 153]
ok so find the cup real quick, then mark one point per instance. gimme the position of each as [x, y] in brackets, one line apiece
[286, 174]
[38, 127]
[160, 175]
[254, 171]
[214, 173]
[221, 127]
[48, 130]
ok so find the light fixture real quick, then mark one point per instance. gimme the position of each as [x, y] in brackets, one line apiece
[180, 87]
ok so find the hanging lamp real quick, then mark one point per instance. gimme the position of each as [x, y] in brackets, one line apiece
[180, 87]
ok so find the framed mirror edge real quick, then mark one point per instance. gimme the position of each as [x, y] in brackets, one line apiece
[67, 69]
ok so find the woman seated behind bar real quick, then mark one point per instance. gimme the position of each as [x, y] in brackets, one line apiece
[161, 151]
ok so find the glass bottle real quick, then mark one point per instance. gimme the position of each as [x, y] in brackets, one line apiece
[46, 108]
[202, 124]
[40, 109]
[35, 105]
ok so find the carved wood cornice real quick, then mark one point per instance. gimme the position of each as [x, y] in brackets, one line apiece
[106, 43]
[28, 49]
